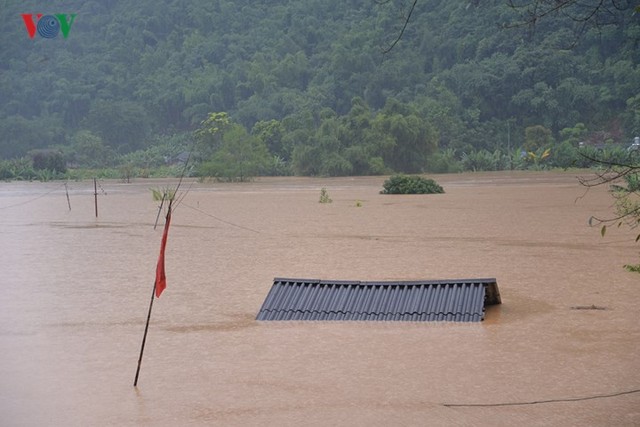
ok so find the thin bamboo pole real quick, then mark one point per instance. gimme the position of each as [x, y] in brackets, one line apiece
[95, 195]
[144, 337]
[66, 188]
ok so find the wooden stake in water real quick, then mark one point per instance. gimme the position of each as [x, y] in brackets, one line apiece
[144, 337]
[67, 190]
[95, 195]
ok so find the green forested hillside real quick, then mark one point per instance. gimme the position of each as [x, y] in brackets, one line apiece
[306, 86]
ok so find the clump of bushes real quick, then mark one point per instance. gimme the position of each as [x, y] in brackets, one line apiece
[410, 184]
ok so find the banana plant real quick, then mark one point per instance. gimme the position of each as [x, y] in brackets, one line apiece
[538, 157]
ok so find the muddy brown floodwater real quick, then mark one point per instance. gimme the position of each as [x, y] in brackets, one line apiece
[75, 290]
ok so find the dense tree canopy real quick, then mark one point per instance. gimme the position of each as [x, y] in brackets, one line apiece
[310, 85]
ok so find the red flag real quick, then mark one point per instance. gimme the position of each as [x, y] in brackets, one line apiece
[161, 278]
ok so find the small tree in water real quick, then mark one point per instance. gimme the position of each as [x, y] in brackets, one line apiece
[233, 154]
[163, 194]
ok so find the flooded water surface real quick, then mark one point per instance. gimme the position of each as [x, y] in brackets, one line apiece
[562, 349]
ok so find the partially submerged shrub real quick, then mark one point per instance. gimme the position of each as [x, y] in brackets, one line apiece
[410, 184]
[324, 196]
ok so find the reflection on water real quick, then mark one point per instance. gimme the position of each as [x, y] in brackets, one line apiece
[75, 293]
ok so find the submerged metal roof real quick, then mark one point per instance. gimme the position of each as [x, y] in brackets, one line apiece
[442, 300]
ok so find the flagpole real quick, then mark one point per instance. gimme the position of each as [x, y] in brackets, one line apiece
[144, 337]
[159, 284]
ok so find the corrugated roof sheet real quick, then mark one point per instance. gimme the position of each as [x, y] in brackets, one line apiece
[418, 301]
